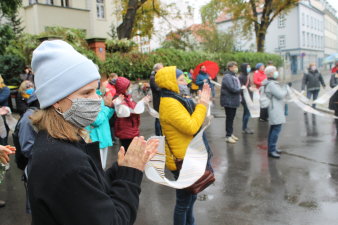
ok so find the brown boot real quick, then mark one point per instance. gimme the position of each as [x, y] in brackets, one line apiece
[2, 203]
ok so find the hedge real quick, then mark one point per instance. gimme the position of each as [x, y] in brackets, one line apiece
[139, 65]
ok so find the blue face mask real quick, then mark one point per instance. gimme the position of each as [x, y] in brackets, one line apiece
[248, 69]
[30, 91]
[275, 74]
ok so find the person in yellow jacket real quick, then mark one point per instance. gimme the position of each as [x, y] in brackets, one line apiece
[180, 120]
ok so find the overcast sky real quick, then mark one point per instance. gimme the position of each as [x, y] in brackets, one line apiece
[198, 3]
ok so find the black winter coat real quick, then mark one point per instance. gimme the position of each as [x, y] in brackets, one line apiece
[333, 104]
[66, 185]
[230, 91]
[312, 80]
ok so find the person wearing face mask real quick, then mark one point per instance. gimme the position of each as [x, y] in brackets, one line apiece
[26, 89]
[276, 93]
[258, 78]
[244, 78]
[66, 183]
[230, 99]
[180, 120]
[127, 118]
[333, 104]
[312, 80]
[203, 78]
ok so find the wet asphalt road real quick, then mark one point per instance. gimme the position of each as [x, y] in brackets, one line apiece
[300, 188]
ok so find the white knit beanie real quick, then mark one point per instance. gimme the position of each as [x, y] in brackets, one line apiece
[59, 70]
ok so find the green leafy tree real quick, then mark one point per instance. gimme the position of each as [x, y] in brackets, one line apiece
[138, 17]
[179, 40]
[9, 7]
[215, 41]
[11, 66]
[15, 23]
[251, 15]
[6, 35]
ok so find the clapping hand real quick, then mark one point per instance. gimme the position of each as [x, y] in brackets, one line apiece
[4, 152]
[146, 99]
[138, 154]
[204, 95]
[4, 111]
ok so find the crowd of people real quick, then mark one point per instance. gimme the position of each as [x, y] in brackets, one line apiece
[65, 131]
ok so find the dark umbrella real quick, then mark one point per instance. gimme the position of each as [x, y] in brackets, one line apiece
[212, 69]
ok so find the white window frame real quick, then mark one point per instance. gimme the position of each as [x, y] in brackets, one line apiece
[100, 9]
[303, 19]
[50, 2]
[281, 21]
[304, 39]
[281, 41]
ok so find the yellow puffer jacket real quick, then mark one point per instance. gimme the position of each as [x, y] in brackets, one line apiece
[178, 126]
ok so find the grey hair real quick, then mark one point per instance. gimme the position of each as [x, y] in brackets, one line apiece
[231, 64]
[157, 66]
[269, 70]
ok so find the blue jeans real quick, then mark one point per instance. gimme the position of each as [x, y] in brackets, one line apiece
[313, 94]
[246, 117]
[273, 137]
[183, 214]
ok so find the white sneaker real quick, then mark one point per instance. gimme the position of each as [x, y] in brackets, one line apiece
[230, 140]
[234, 137]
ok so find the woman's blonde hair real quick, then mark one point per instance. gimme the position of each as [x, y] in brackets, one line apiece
[24, 86]
[55, 125]
[2, 83]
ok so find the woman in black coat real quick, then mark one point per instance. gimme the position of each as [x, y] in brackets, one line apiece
[333, 105]
[66, 182]
[244, 78]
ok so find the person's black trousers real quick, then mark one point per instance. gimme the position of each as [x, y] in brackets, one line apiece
[264, 114]
[230, 114]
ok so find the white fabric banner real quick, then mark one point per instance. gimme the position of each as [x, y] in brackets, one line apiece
[194, 163]
[326, 96]
[253, 104]
[307, 108]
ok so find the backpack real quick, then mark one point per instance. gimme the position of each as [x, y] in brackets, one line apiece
[20, 159]
[264, 100]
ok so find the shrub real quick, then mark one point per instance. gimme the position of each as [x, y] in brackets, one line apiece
[123, 45]
[11, 66]
[138, 65]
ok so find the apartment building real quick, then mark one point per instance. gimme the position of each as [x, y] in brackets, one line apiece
[305, 34]
[95, 17]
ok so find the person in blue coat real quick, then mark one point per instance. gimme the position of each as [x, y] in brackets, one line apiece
[100, 131]
[202, 78]
[230, 99]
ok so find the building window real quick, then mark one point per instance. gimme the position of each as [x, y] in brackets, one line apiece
[100, 9]
[31, 2]
[281, 21]
[307, 20]
[303, 39]
[308, 40]
[50, 2]
[303, 19]
[65, 3]
[281, 41]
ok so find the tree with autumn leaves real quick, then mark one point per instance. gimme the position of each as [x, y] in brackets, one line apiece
[138, 17]
[249, 14]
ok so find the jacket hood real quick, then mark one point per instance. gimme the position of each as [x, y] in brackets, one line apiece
[265, 82]
[122, 85]
[166, 78]
[242, 69]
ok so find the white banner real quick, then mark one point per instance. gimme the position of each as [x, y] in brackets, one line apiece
[253, 105]
[194, 163]
[326, 96]
[307, 108]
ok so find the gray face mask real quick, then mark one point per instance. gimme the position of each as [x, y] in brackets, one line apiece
[83, 111]
[184, 90]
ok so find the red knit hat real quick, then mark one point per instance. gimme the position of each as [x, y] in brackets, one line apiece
[122, 84]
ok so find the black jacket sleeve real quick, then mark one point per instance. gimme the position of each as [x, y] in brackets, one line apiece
[304, 81]
[153, 84]
[4, 95]
[82, 200]
[321, 80]
[333, 81]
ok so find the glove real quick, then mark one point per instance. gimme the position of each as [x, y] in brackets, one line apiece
[243, 87]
